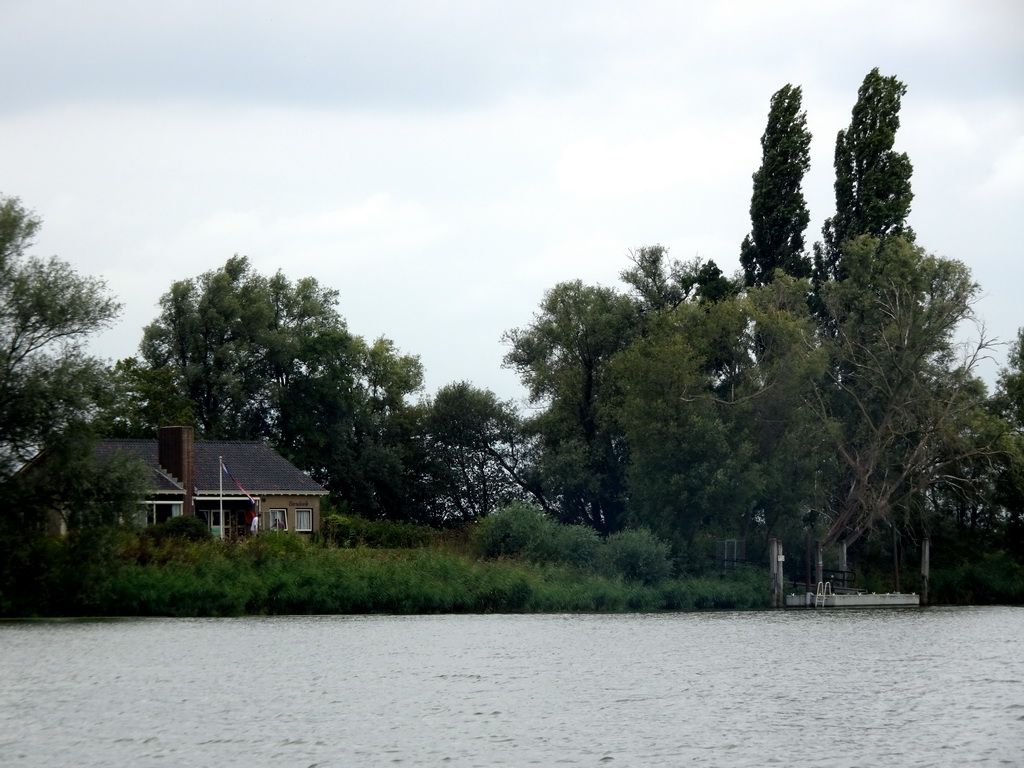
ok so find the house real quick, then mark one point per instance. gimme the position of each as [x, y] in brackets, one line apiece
[223, 482]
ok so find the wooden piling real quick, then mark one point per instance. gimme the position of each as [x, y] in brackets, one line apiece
[808, 586]
[819, 567]
[926, 547]
[776, 558]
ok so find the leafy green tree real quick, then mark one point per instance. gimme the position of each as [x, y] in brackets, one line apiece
[872, 186]
[476, 446]
[216, 333]
[563, 359]
[778, 212]
[47, 312]
[268, 358]
[389, 477]
[144, 399]
[71, 484]
[711, 407]
[1009, 483]
[658, 282]
[50, 390]
[901, 392]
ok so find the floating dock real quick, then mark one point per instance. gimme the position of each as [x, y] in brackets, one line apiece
[864, 600]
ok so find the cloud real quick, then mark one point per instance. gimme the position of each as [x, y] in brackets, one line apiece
[1006, 177]
[443, 164]
[379, 227]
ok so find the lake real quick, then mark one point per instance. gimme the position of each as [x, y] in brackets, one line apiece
[897, 687]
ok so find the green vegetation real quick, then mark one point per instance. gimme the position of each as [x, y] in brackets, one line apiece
[160, 573]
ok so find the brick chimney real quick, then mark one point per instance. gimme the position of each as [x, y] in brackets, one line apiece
[176, 453]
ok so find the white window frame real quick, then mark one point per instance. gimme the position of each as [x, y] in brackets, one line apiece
[308, 511]
[278, 513]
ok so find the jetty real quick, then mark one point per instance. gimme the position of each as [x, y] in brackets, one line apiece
[823, 597]
[842, 595]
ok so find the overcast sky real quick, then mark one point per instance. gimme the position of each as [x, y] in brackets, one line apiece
[443, 164]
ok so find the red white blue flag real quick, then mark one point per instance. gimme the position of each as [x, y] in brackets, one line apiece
[228, 473]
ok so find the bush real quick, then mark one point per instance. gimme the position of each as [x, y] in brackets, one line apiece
[575, 545]
[518, 530]
[349, 531]
[182, 527]
[996, 578]
[637, 555]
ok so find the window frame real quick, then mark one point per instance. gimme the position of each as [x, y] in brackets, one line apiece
[277, 513]
[309, 511]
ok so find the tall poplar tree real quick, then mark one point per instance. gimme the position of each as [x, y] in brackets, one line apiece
[778, 212]
[872, 184]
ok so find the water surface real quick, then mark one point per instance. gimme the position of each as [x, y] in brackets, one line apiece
[910, 687]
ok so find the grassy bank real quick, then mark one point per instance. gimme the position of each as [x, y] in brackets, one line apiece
[281, 574]
[516, 561]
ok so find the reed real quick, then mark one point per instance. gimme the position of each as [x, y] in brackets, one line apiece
[276, 574]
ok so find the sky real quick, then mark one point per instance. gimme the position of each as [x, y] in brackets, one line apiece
[443, 164]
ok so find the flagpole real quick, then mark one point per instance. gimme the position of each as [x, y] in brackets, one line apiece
[220, 481]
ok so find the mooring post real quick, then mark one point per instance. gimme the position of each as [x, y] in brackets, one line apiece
[926, 553]
[807, 563]
[780, 578]
[843, 565]
[819, 568]
[775, 561]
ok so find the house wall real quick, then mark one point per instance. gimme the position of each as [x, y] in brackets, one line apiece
[290, 504]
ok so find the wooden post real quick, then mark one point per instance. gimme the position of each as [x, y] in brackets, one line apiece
[775, 561]
[808, 587]
[843, 565]
[780, 578]
[926, 554]
[896, 558]
[819, 566]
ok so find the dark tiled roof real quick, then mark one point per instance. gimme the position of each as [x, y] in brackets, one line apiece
[258, 468]
[145, 450]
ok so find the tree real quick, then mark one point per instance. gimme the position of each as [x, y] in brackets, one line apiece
[47, 312]
[215, 332]
[710, 405]
[901, 392]
[563, 359]
[144, 399]
[71, 483]
[778, 212]
[872, 186]
[478, 452]
[1009, 484]
[268, 358]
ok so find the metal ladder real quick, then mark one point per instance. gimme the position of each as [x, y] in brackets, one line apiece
[824, 590]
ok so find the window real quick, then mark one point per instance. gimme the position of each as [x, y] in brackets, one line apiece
[279, 519]
[303, 519]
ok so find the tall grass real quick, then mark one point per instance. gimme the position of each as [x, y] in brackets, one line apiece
[284, 574]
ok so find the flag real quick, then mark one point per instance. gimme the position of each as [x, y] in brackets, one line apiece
[228, 473]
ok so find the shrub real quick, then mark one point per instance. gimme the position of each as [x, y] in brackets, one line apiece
[518, 530]
[349, 531]
[996, 578]
[575, 545]
[183, 527]
[638, 555]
